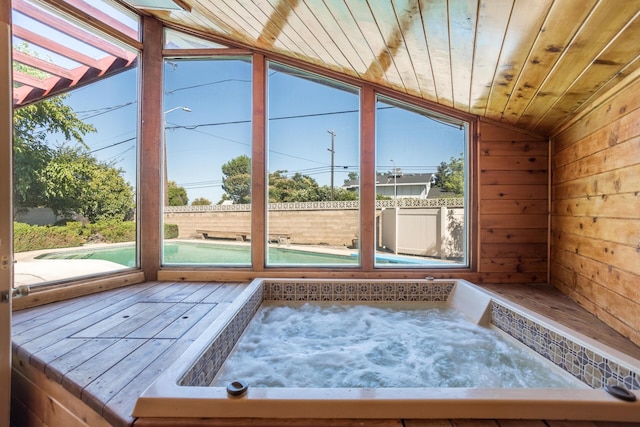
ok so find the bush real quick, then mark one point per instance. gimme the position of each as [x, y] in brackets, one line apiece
[33, 237]
[110, 231]
[171, 231]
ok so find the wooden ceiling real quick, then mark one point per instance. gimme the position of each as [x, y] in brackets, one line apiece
[528, 63]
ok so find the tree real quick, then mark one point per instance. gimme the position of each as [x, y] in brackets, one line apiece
[177, 195]
[450, 176]
[76, 182]
[236, 181]
[201, 201]
[32, 126]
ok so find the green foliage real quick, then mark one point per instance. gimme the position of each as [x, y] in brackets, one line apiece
[201, 201]
[33, 237]
[171, 231]
[72, 234]
[450, 176]
[177, 195]
[75, 181]
[236, 181]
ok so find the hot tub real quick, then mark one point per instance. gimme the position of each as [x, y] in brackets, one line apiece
[184, 390]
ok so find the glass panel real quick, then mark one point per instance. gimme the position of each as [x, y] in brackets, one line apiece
[312, 161]
[177, 40]
[421, 176]
[75, 175]
[111, 14]
[207, 113]
[52, 53]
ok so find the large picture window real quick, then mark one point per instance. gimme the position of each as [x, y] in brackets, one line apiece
[312, 163]
[421, 188]
[207, 168]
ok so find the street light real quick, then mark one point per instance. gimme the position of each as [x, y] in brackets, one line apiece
[333, 152]
[164, 138]
[395, 187]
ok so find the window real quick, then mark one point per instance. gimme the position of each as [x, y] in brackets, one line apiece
[421, 187]
[312, 162]
[207, 140]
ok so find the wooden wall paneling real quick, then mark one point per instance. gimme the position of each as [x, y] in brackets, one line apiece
[149, 212]
[513, 202]
[595, 210]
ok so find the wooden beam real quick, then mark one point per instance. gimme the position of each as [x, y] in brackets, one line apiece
[77, 33]
[367, 178]
[6, 207]
[258, 167]
[60, 49]
[149, 208]
[41, 64]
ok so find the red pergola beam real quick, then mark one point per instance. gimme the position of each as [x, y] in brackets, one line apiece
[41, 64]
[103, 17]
[71, 30]
[53, 46]
[31, 81]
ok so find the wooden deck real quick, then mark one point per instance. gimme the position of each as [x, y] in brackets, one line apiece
[84, 361]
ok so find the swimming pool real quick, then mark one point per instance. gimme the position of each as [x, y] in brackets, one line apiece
[184, 390]
[201, 253]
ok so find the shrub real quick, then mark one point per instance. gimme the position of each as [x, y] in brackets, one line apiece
[171, 231]
[33, 237]
[110, 231]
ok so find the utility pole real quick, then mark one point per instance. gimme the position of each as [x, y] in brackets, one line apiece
[333, 152]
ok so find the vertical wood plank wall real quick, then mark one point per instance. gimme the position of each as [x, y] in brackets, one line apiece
[595, 224]
[513, 205]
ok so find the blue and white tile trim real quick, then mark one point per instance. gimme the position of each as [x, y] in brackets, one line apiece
[583, 363]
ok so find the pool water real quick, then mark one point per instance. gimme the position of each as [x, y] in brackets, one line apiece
[368, 346]
[194, 253]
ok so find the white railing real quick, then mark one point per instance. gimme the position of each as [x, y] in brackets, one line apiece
[328, 205]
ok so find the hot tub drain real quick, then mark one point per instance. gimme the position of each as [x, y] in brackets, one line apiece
[237, 388]
[620, 392]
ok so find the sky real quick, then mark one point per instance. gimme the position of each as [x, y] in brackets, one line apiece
[302, 113]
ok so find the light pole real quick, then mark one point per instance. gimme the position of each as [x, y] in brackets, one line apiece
[333, 152]
[164, 143]
[395, 187]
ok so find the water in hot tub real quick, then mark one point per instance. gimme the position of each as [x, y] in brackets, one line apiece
[319, 345]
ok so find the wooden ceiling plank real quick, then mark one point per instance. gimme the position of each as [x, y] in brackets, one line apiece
[297, 31]
[493, 20]
[525, 23]
[602, 25]
[331, 22]
[41, 64]
[214, 16]
[463, 16]
[273, 22]
[416, 45]
[66, 27]
[315, 30]
[561, 24]
[369, 29]
[53, 46]
[589, 88]
[374, 71]
[435, 18]
[406, 14]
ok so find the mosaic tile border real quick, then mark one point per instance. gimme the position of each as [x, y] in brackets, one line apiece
[202, 372]
[357, 291]
[583, 363]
